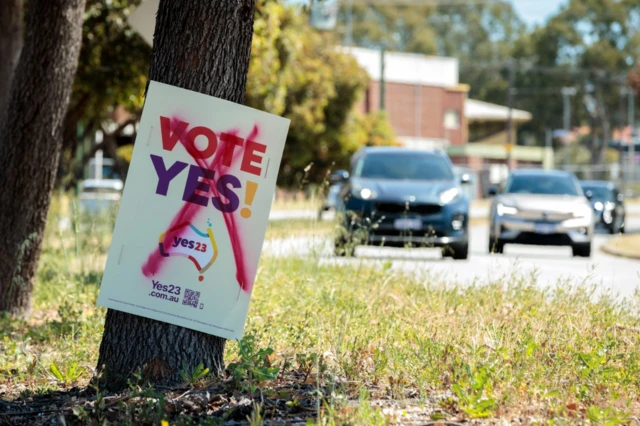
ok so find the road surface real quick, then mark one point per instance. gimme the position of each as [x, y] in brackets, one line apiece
[550, 265]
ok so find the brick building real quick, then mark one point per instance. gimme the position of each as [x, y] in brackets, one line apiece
[423, 97]
[429, 108]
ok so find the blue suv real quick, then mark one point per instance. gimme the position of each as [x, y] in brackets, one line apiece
[402, 197]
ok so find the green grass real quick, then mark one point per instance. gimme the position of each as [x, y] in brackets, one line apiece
[366, 339]
[299, 227]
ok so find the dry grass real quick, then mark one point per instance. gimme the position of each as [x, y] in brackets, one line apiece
[359, 345]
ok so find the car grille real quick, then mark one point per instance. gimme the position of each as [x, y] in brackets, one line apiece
[551, 239]
[399, 208]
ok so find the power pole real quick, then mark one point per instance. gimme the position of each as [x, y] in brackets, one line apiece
[509, 146]
[631, 111]
[349, 13]
[382, 83]
[566, 113]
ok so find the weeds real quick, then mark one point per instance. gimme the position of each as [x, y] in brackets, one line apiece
[252, 366]
[344, 343]
[192, 377]
[69, 375]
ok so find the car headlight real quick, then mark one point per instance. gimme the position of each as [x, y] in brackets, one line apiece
[609, 205]
[598, 206]
[503, 210]
[449, 195]
[367, 194]
[363, 192]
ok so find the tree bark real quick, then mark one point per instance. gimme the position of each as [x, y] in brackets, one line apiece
[32, 139]
[11, 17]
[205, 48]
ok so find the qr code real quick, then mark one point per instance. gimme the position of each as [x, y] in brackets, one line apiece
[191, 298]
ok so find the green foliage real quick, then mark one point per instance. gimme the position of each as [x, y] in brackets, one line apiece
[472, 393]
[193, 376]
[252, 366]
[298, 73]
[589, 44]
[295, 72]
[355, 333]
[606, 417]
[71, 374]
[114, 60]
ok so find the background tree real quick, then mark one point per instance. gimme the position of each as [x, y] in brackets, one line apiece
[112, 72]
[589, 45]
[11, 17]
[217, 67]
[479, 35]
[299, 73]
[284, 78]
[31, 141]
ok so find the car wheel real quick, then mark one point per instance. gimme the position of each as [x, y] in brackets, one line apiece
[581, 250]
[456, 251]
[495, 246]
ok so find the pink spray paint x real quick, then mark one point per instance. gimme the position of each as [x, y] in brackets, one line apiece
[189, 211]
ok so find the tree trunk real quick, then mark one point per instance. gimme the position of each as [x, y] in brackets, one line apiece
[32, 139]
[205, 48]
[11, 17]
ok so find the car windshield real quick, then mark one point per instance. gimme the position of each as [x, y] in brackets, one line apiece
[542, 184]
[403, 167]
[599, 192]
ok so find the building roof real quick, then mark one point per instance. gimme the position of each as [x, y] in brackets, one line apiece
[484, 111]
[408, 68]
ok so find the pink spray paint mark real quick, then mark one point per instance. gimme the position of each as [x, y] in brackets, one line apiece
[242, 273]
[188, 212]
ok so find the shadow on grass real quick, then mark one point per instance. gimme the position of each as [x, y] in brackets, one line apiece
[293, 398]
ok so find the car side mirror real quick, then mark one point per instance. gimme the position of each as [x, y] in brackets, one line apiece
[493, 191]
[589, 195]
[465, 179]
[339, 176]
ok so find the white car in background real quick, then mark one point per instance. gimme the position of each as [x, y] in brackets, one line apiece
[541, 207]
[99, 195]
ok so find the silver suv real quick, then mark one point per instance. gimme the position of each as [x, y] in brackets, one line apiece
[541, 207]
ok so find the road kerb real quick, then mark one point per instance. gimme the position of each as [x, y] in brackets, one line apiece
[627, 246]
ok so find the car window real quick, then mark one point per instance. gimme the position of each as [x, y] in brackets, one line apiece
[600, 192]
[403, 167]
[542, 184]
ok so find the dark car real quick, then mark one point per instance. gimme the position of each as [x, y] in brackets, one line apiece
[402, 197]
[608, 204]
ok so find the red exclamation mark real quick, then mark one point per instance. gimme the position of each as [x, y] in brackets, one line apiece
[252, 187]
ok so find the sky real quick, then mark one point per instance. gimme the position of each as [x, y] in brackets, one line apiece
[533, 12]
[536, 12]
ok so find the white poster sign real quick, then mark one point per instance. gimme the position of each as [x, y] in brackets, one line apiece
[194, 211]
